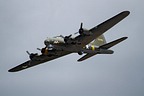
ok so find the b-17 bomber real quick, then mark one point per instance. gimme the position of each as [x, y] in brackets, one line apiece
[89, 42]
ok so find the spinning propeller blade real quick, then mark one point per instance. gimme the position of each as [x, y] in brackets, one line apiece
[28, 52]
[39, 49]
[81, 26]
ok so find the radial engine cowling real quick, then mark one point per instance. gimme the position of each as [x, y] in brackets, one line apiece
[44, 51]
[83, 31]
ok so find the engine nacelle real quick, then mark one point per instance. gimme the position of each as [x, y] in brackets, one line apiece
[32, 55]
[83, 31]
[46, 51]
[69, 40]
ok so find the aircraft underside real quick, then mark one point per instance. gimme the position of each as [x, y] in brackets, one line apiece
[86, 41]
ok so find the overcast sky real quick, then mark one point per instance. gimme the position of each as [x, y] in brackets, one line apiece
[25, 24]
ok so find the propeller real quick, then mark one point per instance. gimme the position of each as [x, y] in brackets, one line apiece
[81, 28]
[39, 49]
[61, 36]
[66, 38]
[28, 52]
[81, 25]
[31, 55]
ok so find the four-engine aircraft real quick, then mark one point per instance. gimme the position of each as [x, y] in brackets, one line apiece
[89, 42]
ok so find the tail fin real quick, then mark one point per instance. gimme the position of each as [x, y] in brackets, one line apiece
[99, 41]
[111, 44]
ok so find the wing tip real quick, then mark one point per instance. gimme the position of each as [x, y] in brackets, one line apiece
[124, 38]
[9, 70]
[125, 13]
[12, 70]
[79, 60]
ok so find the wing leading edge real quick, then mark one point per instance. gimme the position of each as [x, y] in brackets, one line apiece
[103, 27]
[40, 59]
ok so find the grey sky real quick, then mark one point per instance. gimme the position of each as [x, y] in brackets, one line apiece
[24, 25]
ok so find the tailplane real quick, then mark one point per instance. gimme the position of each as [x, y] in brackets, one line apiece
[113, 43]
[104, 49]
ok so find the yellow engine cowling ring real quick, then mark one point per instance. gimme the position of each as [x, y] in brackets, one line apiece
[44, 51]
[93, 48]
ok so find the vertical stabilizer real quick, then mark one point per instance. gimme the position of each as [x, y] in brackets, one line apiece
[99, 41]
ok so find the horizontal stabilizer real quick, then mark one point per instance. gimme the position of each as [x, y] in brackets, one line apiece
[86, 57]
[111, 44]
[105, 46]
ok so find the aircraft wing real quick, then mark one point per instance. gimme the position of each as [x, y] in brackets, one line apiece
[38, 60]
[103, 27]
